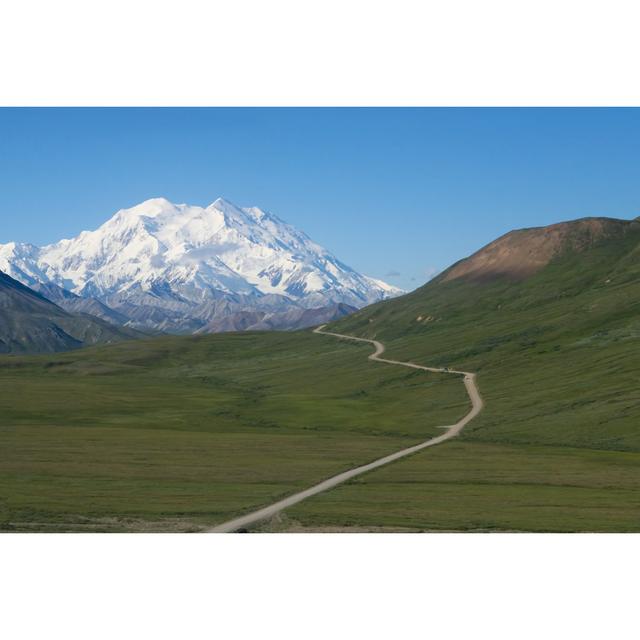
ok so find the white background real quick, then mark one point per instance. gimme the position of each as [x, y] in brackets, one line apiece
[319, 586]
[328, 52]
[319, 53]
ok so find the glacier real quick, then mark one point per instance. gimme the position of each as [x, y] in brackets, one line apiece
[183, 268]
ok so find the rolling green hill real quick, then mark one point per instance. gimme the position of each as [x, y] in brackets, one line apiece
[557, 352]
[549, 318]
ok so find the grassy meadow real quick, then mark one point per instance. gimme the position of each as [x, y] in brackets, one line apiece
[179, 433]
[557, 446]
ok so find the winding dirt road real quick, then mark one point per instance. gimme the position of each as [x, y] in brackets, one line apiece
[451, 432]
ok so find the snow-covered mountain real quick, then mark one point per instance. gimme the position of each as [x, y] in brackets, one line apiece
[175, 267]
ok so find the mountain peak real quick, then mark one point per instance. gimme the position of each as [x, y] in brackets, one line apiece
[166, 259]
[159, 201]
[151, 207]
[521, 253]
[226, 206]
[223, 202]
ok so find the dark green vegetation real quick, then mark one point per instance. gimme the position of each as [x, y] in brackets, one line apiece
[177, 433]
[477, 486]
[29, 323]
[557, 353]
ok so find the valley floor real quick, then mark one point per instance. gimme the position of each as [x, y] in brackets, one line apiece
[181, 434]
[476, 486]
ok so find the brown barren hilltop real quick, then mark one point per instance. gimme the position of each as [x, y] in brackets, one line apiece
[521, 253]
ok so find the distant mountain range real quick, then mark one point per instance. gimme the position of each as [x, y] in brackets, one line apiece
[187, 269]
[175, 268]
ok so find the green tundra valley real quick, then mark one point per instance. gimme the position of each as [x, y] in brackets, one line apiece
[180, 433]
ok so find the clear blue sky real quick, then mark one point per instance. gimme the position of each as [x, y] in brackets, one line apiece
[389, 191]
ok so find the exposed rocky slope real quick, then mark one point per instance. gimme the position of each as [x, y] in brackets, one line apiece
[521, 253]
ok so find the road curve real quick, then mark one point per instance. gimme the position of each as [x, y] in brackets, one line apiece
[451, 432]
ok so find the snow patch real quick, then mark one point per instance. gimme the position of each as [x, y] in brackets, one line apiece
[190, 252]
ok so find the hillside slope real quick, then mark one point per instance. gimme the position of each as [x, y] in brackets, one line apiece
[570, 328]
[549, 319]
[29, 323]
[519, 254]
